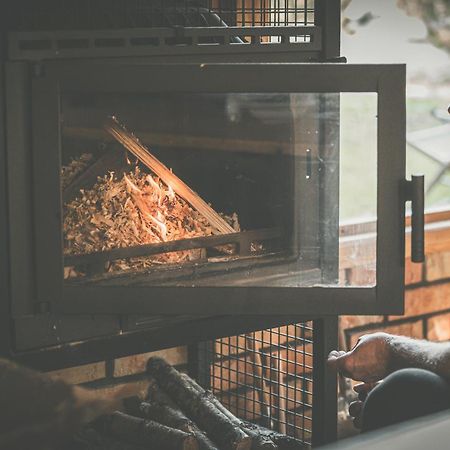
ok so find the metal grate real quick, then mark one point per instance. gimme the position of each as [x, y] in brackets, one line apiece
[266, 377]
[32, 15]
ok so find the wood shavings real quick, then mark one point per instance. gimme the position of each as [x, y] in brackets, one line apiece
[74, 169]
[133, 209]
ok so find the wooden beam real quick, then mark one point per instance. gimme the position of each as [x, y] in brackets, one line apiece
[186, 141]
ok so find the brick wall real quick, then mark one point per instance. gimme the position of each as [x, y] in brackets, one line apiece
[110, 376]
[427, 298]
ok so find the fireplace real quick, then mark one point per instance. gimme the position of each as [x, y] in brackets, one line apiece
[179, 174]
[230, 192]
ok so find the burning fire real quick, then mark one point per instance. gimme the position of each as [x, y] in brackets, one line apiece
[132, 209]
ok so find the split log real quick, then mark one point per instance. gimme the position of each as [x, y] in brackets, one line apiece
[283, 441]
[147, 433]
[156, 395]
[175, 418]
[263, 438]
[198, 407]
[132, 144]
[260, 441]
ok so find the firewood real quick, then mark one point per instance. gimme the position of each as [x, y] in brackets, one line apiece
[132, 144]
[147, 433]
[198, 407]
[157, 395]
[260, 441]
[175, 418]
[283, 441]
[263, 438]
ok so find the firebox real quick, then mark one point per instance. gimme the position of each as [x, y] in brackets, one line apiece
[181, 171]
[212, 188]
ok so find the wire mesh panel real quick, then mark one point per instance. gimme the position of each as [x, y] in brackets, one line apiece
[97, 14]
[266, 377]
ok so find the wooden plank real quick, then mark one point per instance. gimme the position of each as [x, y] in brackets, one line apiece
[132, 144]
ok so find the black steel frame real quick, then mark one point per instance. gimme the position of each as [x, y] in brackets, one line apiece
[386, 80]
[321, 41]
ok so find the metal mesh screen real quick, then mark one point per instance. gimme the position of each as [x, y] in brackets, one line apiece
[97, 14]
[266, 377]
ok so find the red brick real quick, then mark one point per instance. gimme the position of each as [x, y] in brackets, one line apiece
[426, 300]
[412, 329]
[259, 339]
[439, 327]
[81, 374]
[437, 266]
[347, 322]
[413, 272]
[137, 363]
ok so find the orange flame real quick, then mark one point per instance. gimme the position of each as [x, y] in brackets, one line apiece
[170, 193]
[131, 185]
[157, 189]
[159, 222]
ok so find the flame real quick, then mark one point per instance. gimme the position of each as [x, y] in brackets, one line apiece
[131, 185]
[159, 222]
[160, 193]
[170, 193]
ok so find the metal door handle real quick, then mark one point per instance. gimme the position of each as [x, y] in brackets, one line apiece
[415, 192]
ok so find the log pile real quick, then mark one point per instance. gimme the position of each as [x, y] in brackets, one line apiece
[178, 414]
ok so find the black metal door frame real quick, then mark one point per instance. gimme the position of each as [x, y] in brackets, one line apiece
[386, 80]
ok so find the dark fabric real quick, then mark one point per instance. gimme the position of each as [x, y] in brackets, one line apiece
[404, 395]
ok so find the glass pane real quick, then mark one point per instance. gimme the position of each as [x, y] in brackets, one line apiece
[237, 189]
[358, 189]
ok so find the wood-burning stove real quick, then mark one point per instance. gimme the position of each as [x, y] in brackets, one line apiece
[250, 117]
[264, 153]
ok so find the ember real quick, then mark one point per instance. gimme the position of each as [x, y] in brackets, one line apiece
[128, 210]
